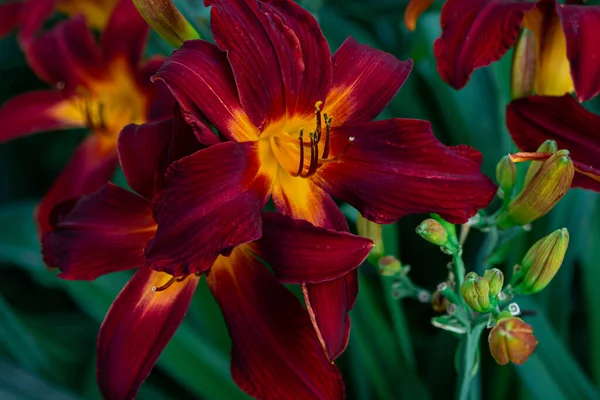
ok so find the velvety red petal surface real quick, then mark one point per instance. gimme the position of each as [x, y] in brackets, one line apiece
[125, 34]
[397, 167]
[533, 120]
[33, 15]
[275, 352]
[581, 25]
[136, 329]
[33, 112]
[10, 16]
[140, 148]
[104, 232]
[90, 167]
[211, 203]
[160, 102]
[299, 252]
[365, 80]
[66, 56]
[476, 33]
[201, 80]
[328, 304]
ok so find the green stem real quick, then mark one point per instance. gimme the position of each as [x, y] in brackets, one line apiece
[399, 321]
[468, 363]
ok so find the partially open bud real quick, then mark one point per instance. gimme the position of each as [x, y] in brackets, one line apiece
[495, 279]
[439, 302]
[371, 230]
[506, 174]
[389, 266]
[549, 146]
[524, 62]
[432, 231]
[543, 261]
[166, 20]
[511, 340]
[545, 189]
[475, 292]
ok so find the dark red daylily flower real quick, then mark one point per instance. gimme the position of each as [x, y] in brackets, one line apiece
[30, 15]
[299, 130]
[533, 120]
[102, 88]
[476, 33]
[275, 350]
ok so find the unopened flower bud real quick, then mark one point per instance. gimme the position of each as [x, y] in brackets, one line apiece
[495, 279]
[475, 292]
[524, 63]
[432, 231]
[439, 302]
[166, 20]
[542, 193]
[506, 174]
[543, 261]
[549, 146]
[511, 340]
[389, 266]
[371, 230]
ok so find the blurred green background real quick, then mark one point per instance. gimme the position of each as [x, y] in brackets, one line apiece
[48, 326]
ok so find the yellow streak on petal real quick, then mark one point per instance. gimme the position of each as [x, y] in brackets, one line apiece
[96, 12]
[553, 72]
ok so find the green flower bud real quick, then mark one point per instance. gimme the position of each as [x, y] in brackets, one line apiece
[542, 193]
[371, 230]
[389, 266]
[511, 340]
[506, 174]
[495, 278]
[166, 20]
[549, 146]
[543, 261]
[524, 65]
[432, 231]
[475, 292]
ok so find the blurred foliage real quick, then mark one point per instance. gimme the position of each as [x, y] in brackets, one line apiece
[48, 326]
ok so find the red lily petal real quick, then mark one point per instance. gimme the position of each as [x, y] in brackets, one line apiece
[303, 199]
[90, 167]
[212, 197]
[314, 81]
[476, 33]
[201, 80]
[299, 252]
[125, 34]
[66, 56]
[105, 232]
[10, 16]
[38, 111]
[397, 167]
[533, 120]
[136, 329]
[160, 102]
[581, 26]
[275, 352]
[328, 304]
[365, 80]
[270, 68]
[140, 148]
[33, 15]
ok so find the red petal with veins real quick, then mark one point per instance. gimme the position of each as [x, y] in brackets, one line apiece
[137, 328]
[201, 80]
[533, 120]
[299, 252]
[10, 16]
[275, 353]
[125, 34]
[397, 167]
[211, 203]
[103, 233]
[160, 102]
[34, 112]
[90, 167]
[365, 80]
[475, 33]
[581, 25]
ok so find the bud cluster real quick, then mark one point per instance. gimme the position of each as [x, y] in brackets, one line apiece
[481, 292]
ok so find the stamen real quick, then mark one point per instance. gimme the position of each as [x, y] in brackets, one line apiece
[350, 140]
[318, 112]
[314, 155]
[169, 283]
[301, 166]
[328, 121]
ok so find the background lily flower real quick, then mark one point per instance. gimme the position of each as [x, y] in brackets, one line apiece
[30, 15]
[102, 88]
[275, 351]
[535, 119]
[298, 121]
[476, 33]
